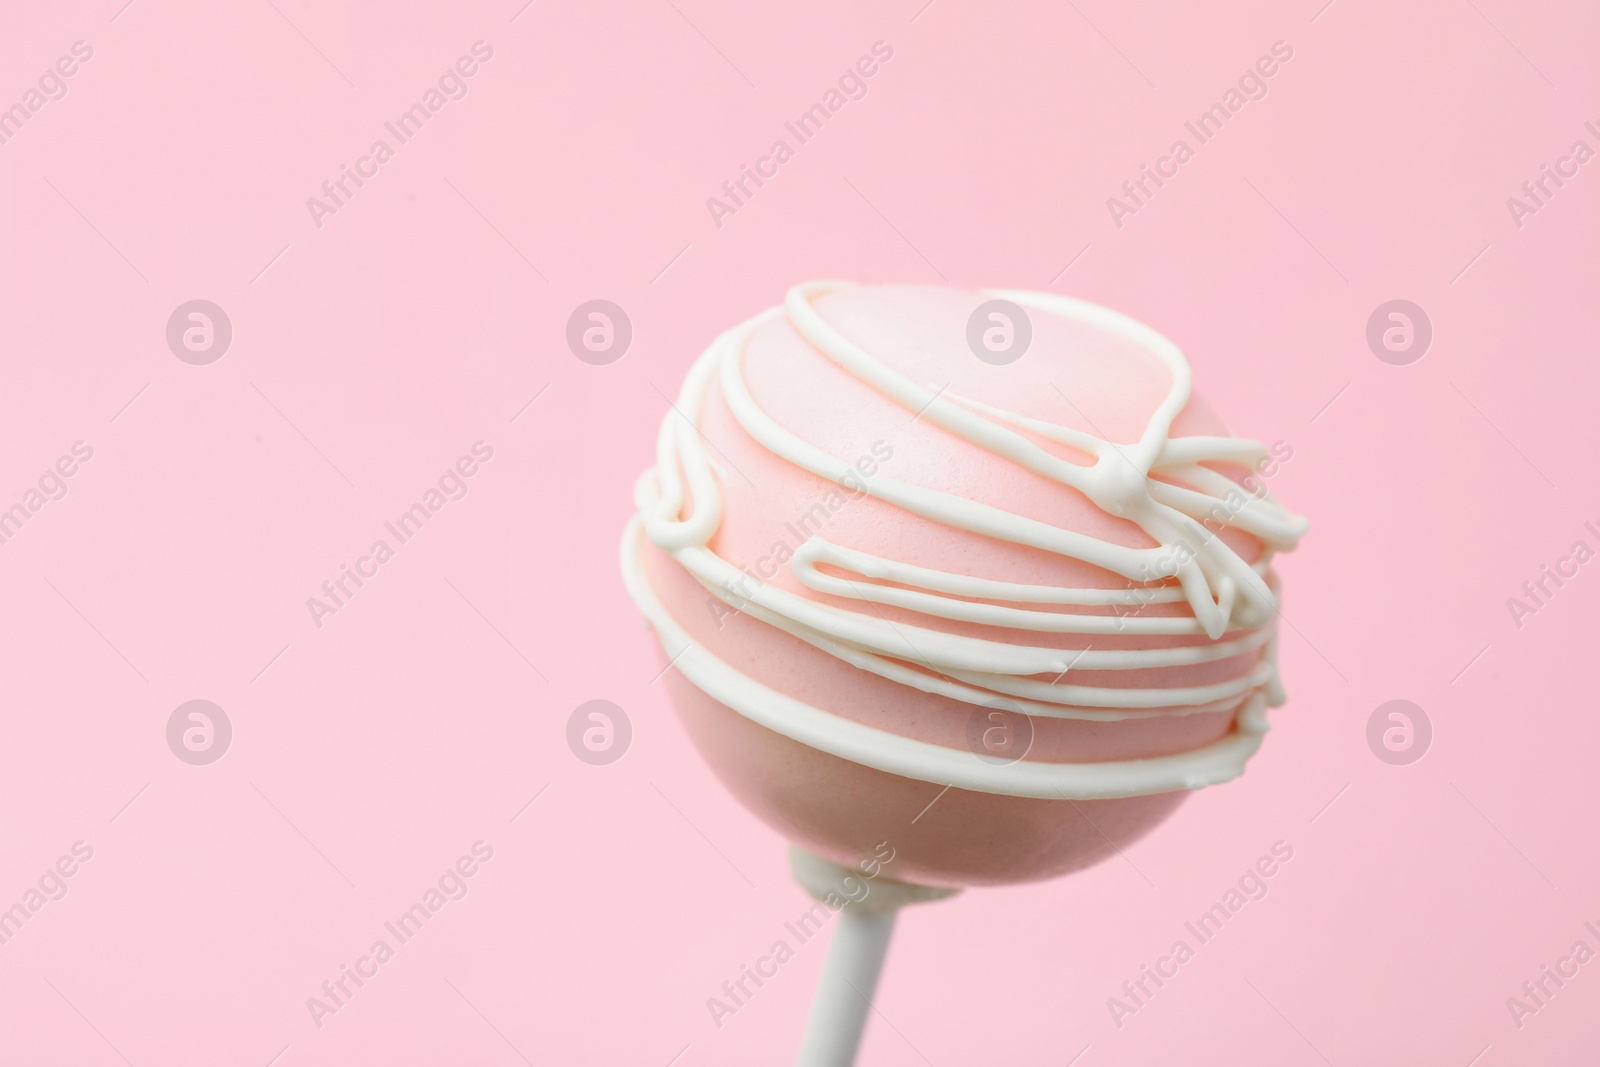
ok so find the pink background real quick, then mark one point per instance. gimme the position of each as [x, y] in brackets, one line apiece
[370, 353]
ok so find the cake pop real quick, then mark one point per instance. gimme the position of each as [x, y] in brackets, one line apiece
[996, 611]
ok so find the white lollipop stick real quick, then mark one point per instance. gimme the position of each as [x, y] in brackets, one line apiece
[844, 995]
[855, 959]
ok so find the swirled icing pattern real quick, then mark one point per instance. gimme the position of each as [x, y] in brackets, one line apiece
[1161, 483]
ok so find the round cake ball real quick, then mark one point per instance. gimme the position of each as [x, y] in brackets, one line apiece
[971, 574]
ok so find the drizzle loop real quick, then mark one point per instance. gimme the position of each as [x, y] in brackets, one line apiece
[1158, 483]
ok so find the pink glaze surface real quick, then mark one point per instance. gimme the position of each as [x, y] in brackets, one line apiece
[1072, 374]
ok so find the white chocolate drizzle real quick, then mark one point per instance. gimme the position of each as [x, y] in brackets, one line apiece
[1159, 483]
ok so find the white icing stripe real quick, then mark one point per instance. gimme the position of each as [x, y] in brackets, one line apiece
[1157, 483]
[1217, 762]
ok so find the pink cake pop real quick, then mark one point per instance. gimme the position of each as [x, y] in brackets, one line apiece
[971, 574]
